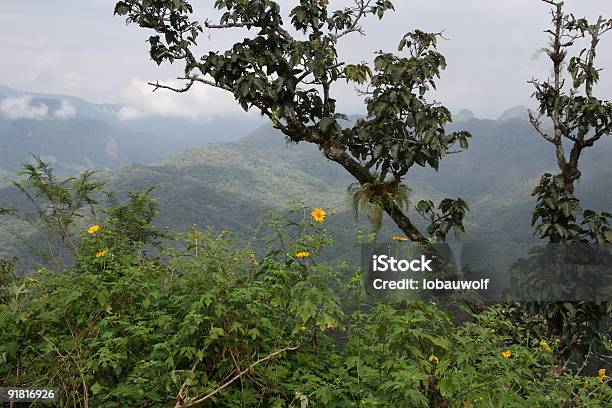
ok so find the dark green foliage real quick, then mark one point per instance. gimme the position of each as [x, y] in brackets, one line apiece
[7, 278]
[210, 322]
[289, 79]
[444, 218]
[56, 207]
[134, 218]
[579, 120]
[558, 212]
[217, 326]
[401, 128]
[556, 209]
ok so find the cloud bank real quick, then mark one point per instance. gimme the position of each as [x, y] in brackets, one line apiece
[22, 107]
[66, 111]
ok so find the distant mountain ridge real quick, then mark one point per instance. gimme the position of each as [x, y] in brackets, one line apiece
[516, 112]
[463, 116]
[85, 109]
[232, 185]
[74, 134]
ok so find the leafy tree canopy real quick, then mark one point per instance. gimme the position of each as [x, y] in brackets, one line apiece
[579, 120]
[287, 72]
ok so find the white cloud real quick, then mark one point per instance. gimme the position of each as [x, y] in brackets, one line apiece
[65, 111]
[129, 113]
[201, 102]
[489, 63]
[20, 107]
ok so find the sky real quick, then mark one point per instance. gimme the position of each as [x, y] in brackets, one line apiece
[77, 47]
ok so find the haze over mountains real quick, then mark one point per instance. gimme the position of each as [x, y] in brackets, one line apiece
[74, 134]
[232, 184]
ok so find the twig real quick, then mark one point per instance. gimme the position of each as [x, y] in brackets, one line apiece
[235, 378]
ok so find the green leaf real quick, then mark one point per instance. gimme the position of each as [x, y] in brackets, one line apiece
[96, 388]
[325, 123]
[121, 8]
[216, 332]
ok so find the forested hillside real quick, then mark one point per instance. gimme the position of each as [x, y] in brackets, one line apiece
[231, 186]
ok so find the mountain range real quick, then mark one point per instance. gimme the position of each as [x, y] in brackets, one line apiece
[231, 185]
[74, 134]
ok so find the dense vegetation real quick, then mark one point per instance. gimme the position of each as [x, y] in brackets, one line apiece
[210, 323]
[124, 314]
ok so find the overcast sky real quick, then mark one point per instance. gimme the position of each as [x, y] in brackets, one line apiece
[77, 47]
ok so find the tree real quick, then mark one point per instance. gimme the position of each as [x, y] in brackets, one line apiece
[56, 205]
[290, 79]
[579, 120]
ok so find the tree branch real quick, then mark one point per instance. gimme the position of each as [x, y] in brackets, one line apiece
[591, 140]
[190, 81]
[535, 122]
[355, 27]
[233, 379]
[207, 24]
[248, 24]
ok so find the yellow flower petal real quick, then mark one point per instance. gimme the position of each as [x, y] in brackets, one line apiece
[318, 214]
[93, 229]
[601, 374]
[304, 254]
[507, 354]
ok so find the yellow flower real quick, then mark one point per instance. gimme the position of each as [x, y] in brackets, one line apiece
[318, 214]
[396, 238]
[506, 354]
[304, 254]
[545, 346]
[601, 374]
[93, 229]
[193, 235]
[434, 359]
[101, 253]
